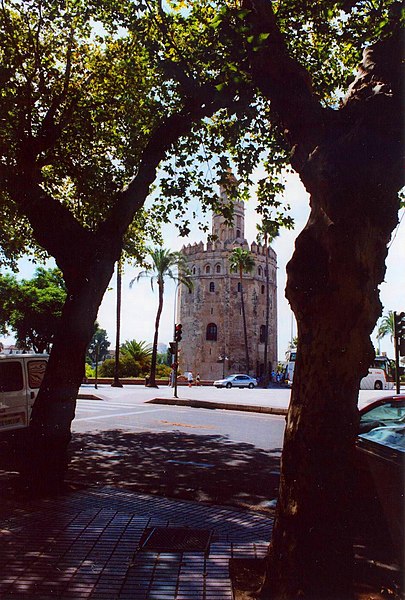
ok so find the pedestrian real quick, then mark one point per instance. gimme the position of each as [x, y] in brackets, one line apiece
[197, 379]
[190, 379]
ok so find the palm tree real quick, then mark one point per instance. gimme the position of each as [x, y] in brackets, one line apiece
[140, 352]
[386, 326]
[268, 231]
[241, 261]
[162, 263]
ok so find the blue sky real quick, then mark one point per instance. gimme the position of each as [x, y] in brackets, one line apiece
[139, 303]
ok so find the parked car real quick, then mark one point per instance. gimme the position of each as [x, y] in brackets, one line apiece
[237, 380]
[380, 461]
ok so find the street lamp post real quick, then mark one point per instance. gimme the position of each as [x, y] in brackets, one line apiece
[222, 358]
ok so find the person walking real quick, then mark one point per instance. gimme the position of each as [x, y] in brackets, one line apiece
[197, 379]
[190, 379]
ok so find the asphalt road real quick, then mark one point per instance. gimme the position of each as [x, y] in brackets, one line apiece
[262, 431]
[217, 456]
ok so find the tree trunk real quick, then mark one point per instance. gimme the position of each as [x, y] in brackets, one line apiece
[333, 278]
[244, 322]
[152, 378]
[265, 380]
[116, 382]
[54, 408]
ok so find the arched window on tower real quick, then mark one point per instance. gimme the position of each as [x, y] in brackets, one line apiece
[262, 333]
[208, 269]
[212, 332]
[239, 286]
[212, 286]
[262, 289]
[238, 233]
[194, 270]
[260, 271]
[218, 268]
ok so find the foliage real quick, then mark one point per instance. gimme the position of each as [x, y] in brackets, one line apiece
[128, 367]
[241, 261]
[99, 345]
[386, 326]
[89, 371]
[140, 352]
[32, 308]
[94, 81]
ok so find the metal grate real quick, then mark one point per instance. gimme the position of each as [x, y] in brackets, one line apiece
[176, 539]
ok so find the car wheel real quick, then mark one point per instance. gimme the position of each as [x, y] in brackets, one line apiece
[378, 385]
[229, 385]
[251, 386]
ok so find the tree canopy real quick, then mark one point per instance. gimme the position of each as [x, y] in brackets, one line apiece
[32, 308]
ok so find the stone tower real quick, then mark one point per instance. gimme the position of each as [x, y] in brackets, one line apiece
[211, 314]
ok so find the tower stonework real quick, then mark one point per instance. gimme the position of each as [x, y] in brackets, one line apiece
[211, 314]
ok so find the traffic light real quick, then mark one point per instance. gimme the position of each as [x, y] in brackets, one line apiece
[172, 347]
[399, 331]
[178, 332]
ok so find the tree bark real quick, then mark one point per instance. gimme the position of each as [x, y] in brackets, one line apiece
[350, 162]
[54, 408]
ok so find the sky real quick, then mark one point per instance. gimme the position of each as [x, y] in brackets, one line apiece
[139, 303]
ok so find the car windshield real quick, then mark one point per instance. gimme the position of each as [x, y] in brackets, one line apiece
[385, 414]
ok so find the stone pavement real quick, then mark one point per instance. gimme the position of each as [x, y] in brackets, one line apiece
[99, 544]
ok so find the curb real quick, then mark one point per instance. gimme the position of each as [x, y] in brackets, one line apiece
[88, 397]
[219, 405]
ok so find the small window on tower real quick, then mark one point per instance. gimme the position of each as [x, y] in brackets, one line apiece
[208, 269]
[212, 332]
[218, 268]
[260, 271]
[194, 270]
[239, 286]
[262, 289]
[238, 233]
[212, 286]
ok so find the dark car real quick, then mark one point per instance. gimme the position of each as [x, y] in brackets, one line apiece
[380, 457]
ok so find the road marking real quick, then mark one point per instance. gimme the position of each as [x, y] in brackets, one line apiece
[128, 414]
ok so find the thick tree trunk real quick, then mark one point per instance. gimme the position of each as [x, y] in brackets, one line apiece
[54, 408]
[333, 279]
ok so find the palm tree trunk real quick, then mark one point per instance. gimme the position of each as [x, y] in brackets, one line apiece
[152, 377]
[116, 382]
[265, 381]
[244, 322]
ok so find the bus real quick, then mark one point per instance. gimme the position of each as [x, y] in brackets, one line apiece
[381, 374]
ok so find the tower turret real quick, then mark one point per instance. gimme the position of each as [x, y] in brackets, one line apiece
[222, 230]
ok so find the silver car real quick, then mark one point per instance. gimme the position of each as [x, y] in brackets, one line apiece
[237, 380]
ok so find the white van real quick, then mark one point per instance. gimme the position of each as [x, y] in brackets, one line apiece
[20, 378]
[376, 380]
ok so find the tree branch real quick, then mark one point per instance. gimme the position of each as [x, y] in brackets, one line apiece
[131, 199]
[283, 80]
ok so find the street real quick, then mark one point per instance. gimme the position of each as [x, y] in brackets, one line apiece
[221, 456]
[218, 456]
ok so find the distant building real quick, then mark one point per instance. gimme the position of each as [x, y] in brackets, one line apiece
[213, 341]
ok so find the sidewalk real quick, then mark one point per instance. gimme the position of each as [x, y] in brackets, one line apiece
[106, 544]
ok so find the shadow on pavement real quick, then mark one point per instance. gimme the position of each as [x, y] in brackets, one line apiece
[205, 468]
